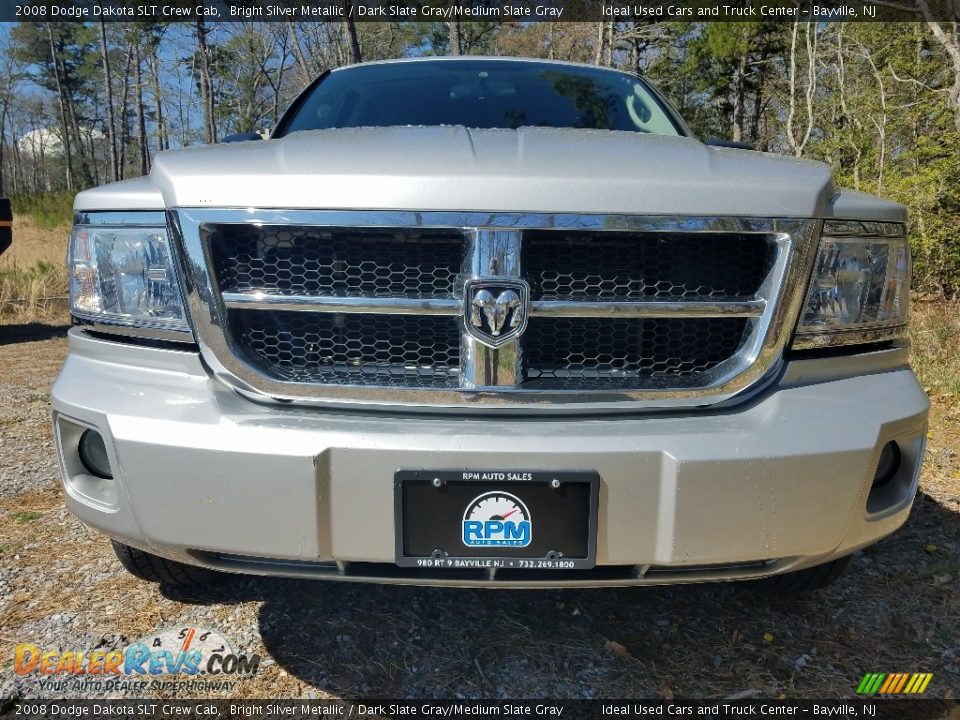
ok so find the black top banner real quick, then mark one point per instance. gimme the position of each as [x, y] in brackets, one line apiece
[479, 10]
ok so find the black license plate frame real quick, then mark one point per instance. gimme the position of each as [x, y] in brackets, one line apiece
[561, 533]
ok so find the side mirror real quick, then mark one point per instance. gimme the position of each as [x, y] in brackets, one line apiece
[714, 142]
[242, 137]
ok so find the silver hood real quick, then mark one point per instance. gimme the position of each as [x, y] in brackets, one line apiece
[453, 168]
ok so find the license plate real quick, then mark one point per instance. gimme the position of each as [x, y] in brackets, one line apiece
[469, 519]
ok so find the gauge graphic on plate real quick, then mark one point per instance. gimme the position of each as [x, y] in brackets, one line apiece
[497, 519]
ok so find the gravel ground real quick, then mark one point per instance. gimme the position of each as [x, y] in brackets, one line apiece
[61, 587]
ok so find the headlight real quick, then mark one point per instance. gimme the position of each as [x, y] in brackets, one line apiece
[860, 288]
[124, 275]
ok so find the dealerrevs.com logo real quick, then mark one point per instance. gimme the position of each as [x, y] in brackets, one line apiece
[179, 652]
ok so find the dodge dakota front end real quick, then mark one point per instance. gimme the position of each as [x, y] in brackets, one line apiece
[488, 322]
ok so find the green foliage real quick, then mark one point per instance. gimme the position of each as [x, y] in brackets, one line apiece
[27, 516]
[884, 125]
[48, 210]
[935, 336]
[76, 47]
[720, 75]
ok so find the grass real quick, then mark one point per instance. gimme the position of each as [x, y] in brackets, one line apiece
[29, 294]
[33, 274]
[27, 516]
[48, 211]
[935, 332]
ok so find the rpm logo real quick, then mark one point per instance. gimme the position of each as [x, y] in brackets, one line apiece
[497, 519]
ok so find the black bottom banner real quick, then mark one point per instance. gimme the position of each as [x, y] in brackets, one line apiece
[368, 710]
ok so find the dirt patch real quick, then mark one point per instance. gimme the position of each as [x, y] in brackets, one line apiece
[33, 275]
[33, 244]
[897, 609]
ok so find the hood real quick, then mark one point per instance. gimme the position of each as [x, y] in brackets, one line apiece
[453, 168]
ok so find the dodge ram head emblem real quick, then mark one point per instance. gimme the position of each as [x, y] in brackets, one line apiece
[495, 311]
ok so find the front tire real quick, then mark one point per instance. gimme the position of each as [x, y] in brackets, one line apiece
[804, 581]
[156, 569]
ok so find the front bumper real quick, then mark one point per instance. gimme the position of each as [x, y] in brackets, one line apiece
[205, 476]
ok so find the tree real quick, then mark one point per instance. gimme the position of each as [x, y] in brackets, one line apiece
[61, 58]
[950, 41]
[350, 29]
[205, 79]
[108, 94]
[797, 137]
[456, 47]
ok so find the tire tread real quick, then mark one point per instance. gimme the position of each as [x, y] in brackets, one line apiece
[806, 580]
[154, 568]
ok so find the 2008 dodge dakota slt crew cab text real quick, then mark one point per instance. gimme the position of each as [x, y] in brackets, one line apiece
[488, 322]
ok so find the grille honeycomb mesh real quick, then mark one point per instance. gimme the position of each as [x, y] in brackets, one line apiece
[619, 266]
[625, 351]
[325, 348]
[423, 351]
[291, 260]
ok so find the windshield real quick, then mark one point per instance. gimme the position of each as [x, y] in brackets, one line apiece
[479, 94]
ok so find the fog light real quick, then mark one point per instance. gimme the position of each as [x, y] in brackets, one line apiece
[889, 464]
[93, 454]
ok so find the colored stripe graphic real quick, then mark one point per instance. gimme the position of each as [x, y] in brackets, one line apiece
[894, 683]
[870, 683]
[891, 681]
[902, 681]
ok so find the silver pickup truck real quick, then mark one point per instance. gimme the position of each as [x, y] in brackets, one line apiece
[493, 323]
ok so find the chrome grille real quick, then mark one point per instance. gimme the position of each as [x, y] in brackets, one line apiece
[624, 352]
[328, 348]
[368, 306]
[345, 262]
[644, 266]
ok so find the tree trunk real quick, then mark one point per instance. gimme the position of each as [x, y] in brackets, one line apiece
[608, 55]
[3, 144]
[124, 116]
[163, 142]
[456, 44]
[305, 73]
[108, 94]
[798, 145]
[141, 114]
[84, 175]
[277, 88]
[951, 43]
[18, 181]
[740, 99]
[206, 84]
[758, 114]
[64, 123]
[350, 27]
[601, 41]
